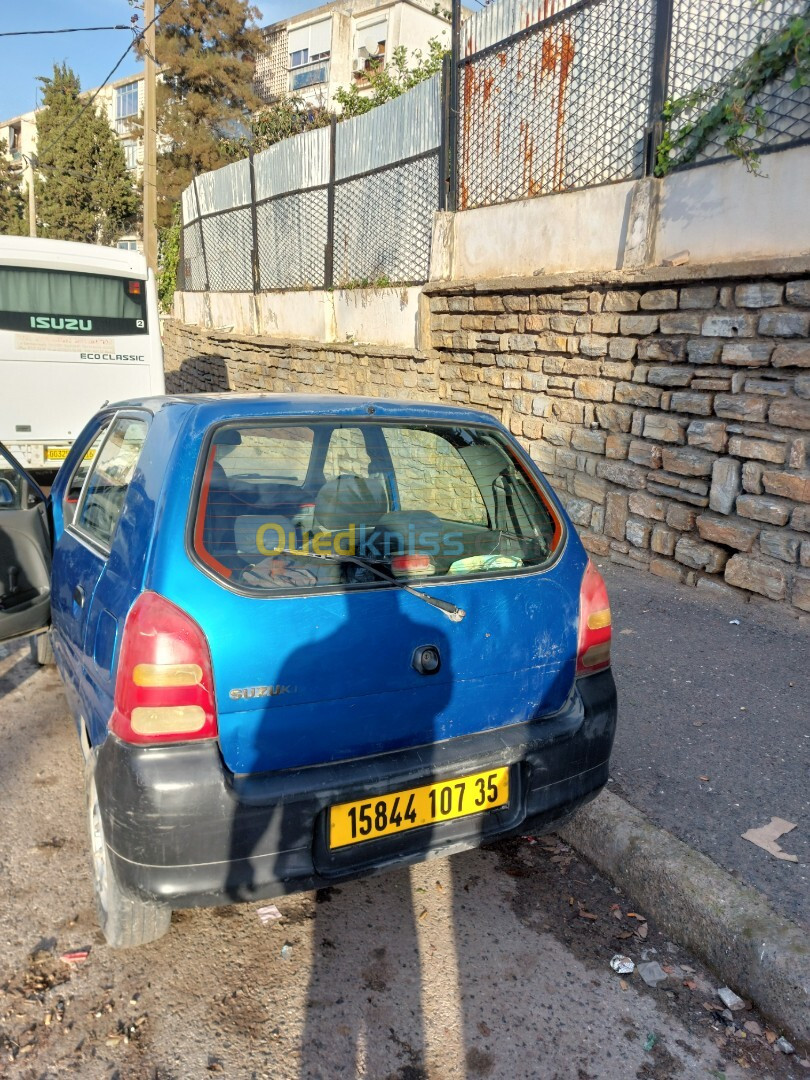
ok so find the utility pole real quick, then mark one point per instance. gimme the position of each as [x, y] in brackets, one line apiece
[150, 139]
[32, 197]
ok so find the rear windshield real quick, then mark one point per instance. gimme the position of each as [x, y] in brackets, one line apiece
[285, 507]
[65, 301]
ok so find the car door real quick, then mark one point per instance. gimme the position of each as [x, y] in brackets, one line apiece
[25, 552]
[85, 632]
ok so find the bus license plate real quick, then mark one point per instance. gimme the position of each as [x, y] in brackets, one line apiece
[56, 453]
[368, 819]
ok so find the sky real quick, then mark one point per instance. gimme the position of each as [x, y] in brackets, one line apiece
[91, 55]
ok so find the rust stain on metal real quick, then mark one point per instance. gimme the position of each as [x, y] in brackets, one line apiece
[489, 80]
[466, 115]
[566, 61]
[502, 58]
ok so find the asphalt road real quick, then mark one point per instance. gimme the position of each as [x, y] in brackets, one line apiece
[700, 696]
[491, 964]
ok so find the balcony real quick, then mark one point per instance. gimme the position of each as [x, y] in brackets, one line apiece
[314, 74]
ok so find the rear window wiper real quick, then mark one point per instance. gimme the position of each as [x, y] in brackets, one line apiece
[453, 613]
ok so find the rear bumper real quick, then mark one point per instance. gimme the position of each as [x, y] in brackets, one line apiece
[183, 830]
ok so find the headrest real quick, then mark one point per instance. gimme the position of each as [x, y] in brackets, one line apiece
[349, 500]
[247, 529]
[228, 437]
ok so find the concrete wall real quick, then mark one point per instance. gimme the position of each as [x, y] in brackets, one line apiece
[377, 316]
[669, 408]
[717, 212]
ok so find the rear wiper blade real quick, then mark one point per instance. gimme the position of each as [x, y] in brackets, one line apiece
[453, 613]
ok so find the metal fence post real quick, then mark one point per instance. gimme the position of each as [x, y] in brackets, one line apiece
[202, 234]
[453, 108]
[255, 266]
[444, 138]
[659, 83]
[329, 249]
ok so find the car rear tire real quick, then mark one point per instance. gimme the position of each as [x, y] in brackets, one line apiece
[41, 651]
[125, 920]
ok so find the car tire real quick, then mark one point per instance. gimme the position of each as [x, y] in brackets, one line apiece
[125, 920]
[41, 651]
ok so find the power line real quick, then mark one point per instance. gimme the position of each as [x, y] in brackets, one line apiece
[68, 30]
[137, 37]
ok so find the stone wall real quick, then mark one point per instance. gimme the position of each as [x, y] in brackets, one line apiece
[669, 408]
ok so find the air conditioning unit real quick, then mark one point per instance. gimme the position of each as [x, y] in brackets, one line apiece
[359, 65]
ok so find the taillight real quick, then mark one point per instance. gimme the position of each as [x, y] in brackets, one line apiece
[593, 650]
[164, 691]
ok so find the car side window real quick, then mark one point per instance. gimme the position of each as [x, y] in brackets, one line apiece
[110, 476]
[347, 454]
[79, 476]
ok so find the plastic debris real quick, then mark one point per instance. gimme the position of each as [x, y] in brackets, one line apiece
[730, 999]
[622, 965]
[78, 956]
[652, 973]
[269, 914]
[766, 837]
[783, 1045]
[650, 1041]
[286, 952]
[733, 622]
[680, 258]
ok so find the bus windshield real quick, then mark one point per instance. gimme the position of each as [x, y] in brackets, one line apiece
[63, 301]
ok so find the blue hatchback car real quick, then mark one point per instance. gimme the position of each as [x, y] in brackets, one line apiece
[305, 639]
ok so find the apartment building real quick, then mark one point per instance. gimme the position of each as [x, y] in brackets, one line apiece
[120, 101]
[312, 54]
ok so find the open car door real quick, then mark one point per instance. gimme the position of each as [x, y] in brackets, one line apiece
[25, 552]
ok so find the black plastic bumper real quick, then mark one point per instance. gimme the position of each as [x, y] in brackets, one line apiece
[183, 830]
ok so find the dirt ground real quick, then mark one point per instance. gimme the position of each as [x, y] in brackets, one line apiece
[491, 964]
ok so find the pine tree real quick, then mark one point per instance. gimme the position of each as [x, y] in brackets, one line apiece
[12, 207]
[84, 191]
[206, 50]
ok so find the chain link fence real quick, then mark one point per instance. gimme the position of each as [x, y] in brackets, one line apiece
[577, 99]
[553, 95]
[347, 205]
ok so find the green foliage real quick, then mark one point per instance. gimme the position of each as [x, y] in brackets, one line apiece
[84, 191]
[727, 114]
[206, 96]
[12, 206]
[286, 117]
[381, 282]
[169, 259]
[390, 81]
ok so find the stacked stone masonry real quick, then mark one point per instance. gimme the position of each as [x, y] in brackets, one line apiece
[673, 419]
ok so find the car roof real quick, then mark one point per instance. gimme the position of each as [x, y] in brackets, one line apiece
[212, 408]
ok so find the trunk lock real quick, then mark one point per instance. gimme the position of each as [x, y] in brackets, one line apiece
[427, 660]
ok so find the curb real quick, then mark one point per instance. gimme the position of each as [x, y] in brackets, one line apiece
[732, 928]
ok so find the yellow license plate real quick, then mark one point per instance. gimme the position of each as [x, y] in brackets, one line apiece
[56, 453]
[368, 819]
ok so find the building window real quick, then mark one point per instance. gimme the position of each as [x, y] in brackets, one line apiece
[126, 106]
[299, 58]
[130, 148]
[127, 245]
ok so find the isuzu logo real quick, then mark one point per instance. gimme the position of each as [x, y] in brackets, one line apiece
[50, 322]
[260, 691]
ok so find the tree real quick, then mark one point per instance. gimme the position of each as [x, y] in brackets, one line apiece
[285, 117]
[84, 191]
[12, 212]
[389, 81]
[206, 51]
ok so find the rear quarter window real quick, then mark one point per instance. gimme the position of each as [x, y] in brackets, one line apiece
[106, 486]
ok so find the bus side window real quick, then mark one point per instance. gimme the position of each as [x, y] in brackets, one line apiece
[79, 476]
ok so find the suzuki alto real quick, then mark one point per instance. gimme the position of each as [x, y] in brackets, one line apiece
[306, 639]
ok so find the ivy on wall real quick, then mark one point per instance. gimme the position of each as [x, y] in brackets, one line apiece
[727, 113]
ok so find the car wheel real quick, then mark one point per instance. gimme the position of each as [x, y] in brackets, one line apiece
[41, 651]
[126, 920]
